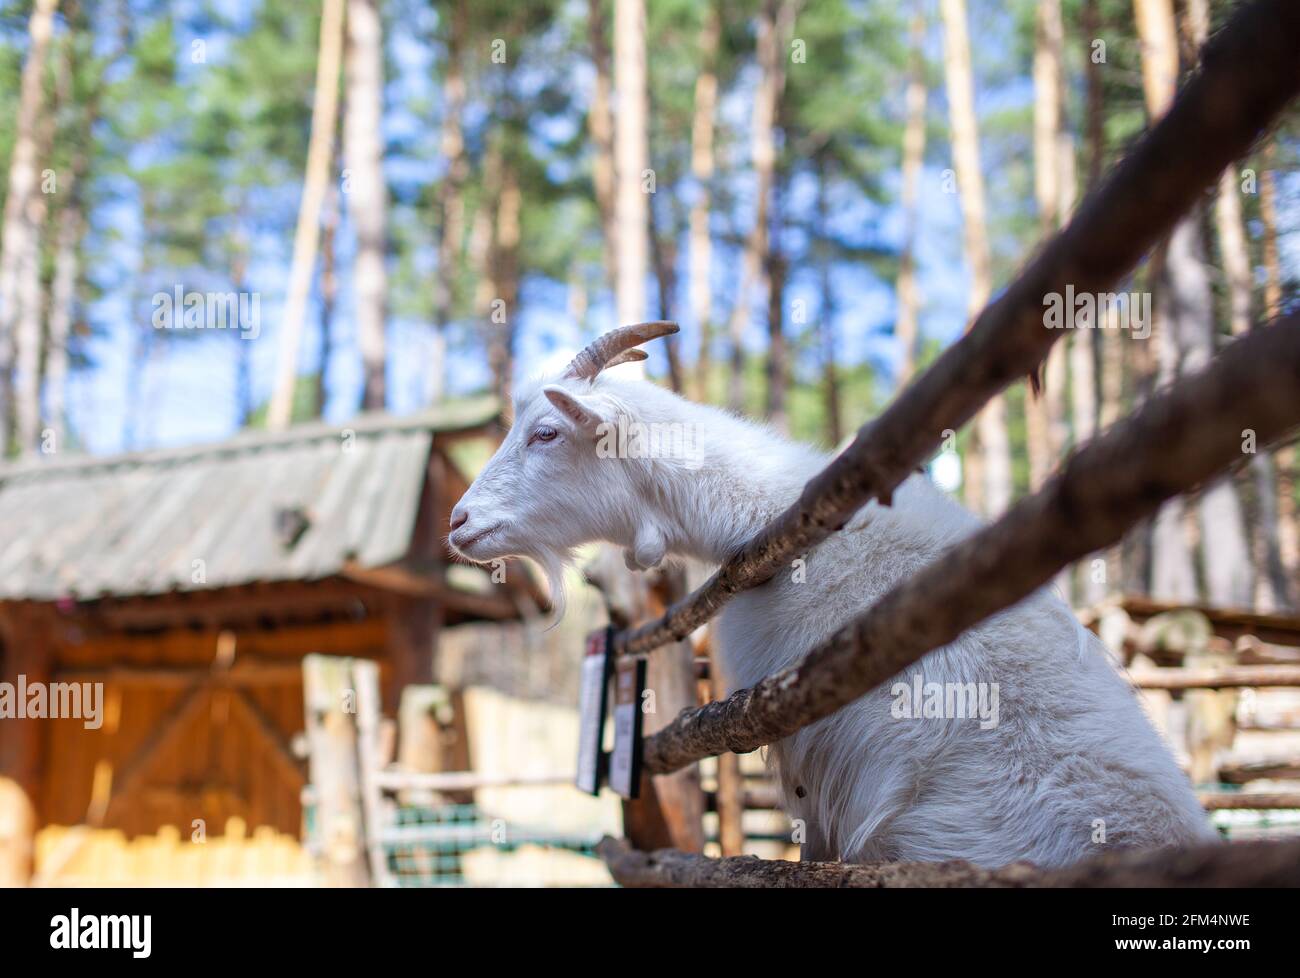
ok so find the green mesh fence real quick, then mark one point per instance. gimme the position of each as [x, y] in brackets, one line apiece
[427, 847]
[1252, 823]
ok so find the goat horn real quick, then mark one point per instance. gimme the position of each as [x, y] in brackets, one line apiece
[628, 356]
[602, 351]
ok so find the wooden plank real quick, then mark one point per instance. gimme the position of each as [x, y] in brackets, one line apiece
[243, 673]
[273, 745]
[130, 775]
[230, 607]
[365, 637]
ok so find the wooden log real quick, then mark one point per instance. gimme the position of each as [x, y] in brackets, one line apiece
[1221, 865]
[1249, 71]
[1180, 438]
[1279, 769]
[1228, 677]
[1217, 801]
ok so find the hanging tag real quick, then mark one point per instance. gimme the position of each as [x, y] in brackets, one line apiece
[625, 764]
[592, 706]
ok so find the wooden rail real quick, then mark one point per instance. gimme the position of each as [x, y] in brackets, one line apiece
[1218, 801]
[1181, 438]
[394, 780]
[1223, 865]
[1249, 71]
[1228, 677]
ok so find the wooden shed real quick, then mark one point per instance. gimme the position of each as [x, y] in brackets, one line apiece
[190, 583]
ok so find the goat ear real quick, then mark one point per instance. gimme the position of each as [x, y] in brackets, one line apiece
[577, 409]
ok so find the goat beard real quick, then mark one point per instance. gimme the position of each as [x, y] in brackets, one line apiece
[554, 563]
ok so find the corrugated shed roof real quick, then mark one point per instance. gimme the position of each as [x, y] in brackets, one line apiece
[137, 524]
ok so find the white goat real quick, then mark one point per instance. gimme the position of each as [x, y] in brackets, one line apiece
[1060, 762]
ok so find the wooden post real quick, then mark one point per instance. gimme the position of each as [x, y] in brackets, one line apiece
[24, 651]
[365, 676]
[413, 627]
[670, 807]
[731, 784]
[331, 703]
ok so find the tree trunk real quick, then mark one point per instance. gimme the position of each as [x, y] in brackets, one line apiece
[702, 166]
[826, 314]
[1226, 552]
[775, 21]
[451, 204]
[63, 299]
[600, 124]
[1108, 344]
[368, 195]
[1288, 514]
[70, 227]
[19, 242]
[632, 159]
[778, 356]
[505, 276]
[988, 482]
[907, 326]
[243, 346]
[1186, 338]
[482, 248]
[329, 292]
[663, 251]
[1271, 585]
[1112, 352]
[320, 149]
[1044, 412]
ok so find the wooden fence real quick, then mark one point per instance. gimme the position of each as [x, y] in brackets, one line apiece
[1181, 438]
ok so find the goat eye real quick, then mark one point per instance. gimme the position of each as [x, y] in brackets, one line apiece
[543, 433]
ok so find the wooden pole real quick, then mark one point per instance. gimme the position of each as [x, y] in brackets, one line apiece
[1181, 438]
[1250, 71]
[330, 705]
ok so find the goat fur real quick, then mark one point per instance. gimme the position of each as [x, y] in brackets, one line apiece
[1072, 768]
